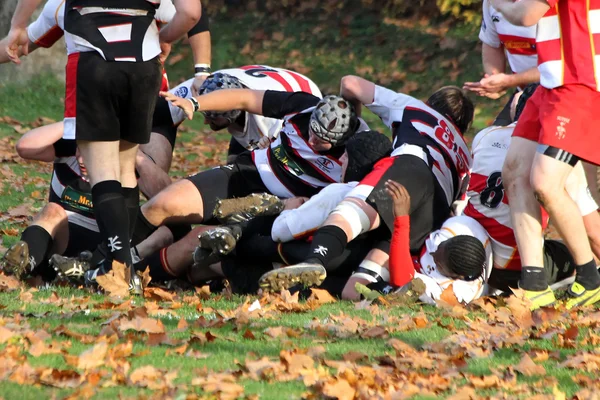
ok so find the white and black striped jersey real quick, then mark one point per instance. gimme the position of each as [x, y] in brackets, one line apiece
[119, 30]
[421, 131]
[70, 189]
[290, 167]
[49, 27]
[256, 77]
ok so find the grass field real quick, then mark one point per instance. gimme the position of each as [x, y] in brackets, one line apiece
[60, 342]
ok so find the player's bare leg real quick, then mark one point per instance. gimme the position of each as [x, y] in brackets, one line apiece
[153, 162]
[527, 219]
[548, 178]
[591, 174]
[350, 218]
[378, 258]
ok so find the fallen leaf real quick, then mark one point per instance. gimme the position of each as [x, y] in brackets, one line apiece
[40, 348]
[339, 389]
[64, 379]
[321, 296]
[355, 356]
[6, 334]
[448, 297]
[148, 325]
[528, 368]
[8, 283]
[93, 357]
[182, 325]
[274, 332]
[249, 335]
[158, 294]
[114, 281]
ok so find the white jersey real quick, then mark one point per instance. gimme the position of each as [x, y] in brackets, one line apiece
[436, 283]
[488, 203]
[421, 131]
[304, 220]
[518, 41]
[49, 27]
[256, 77]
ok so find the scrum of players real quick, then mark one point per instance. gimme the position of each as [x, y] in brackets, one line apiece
[311, 196]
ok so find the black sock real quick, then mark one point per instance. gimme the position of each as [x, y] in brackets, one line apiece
[143, 229]
[132, 201]
[179, 231]
[328, 243]
[158, 271]
[533, 278]
[113, 220]
[587, 275]
[39, 242]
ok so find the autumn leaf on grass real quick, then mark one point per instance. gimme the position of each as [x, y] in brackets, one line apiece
[114, 281]
[448, 298]
[159, 294]
[6, 334]
[321, 296]
[8, 283]
[93, 357]
[224, 385]
[152, 378]
[338, 389]
[528, 368]
[40, 348]
[64, 379]
[140, 324]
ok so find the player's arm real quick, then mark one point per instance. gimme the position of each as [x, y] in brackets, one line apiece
[220, 100]
[524, 12]
[401, 266]
[200, 42]
[187, 15]
[38, 143]
[18, 43]
[357, 91]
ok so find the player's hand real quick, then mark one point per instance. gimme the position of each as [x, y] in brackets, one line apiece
[198, 81]
[294, 202]
[264, 142]
[165, 50]
[399, 196]
[16, 40]
[490, 86]
[185, 104]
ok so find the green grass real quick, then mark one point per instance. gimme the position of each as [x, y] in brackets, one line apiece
[401, 56]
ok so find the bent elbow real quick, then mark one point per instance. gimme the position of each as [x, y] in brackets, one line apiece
[349, 85]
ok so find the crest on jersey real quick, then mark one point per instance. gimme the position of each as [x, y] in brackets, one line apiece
[325, 163]
[182, 92]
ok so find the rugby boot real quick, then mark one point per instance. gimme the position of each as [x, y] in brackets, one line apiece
[220, 240]
[136, 286]
[543, 298]
[16, 260]
[579, 296]
[245, 208]
[71, 268]
[306, 274]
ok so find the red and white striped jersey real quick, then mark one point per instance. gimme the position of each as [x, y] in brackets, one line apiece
[568, 42]
[256, 77]
[421, 131]
[435, 282]
[488, 203]
[518, 41]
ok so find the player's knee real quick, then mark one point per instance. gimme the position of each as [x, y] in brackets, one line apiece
[544, 188]
[52, 213]
[354, 213]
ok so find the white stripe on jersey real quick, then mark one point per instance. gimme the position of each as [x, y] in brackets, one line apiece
[257, 126]
[436, 283]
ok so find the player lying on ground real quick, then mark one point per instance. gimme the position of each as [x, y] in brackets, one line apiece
[489, 205]
[430, 159]
[458, 255]
[263, 243]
